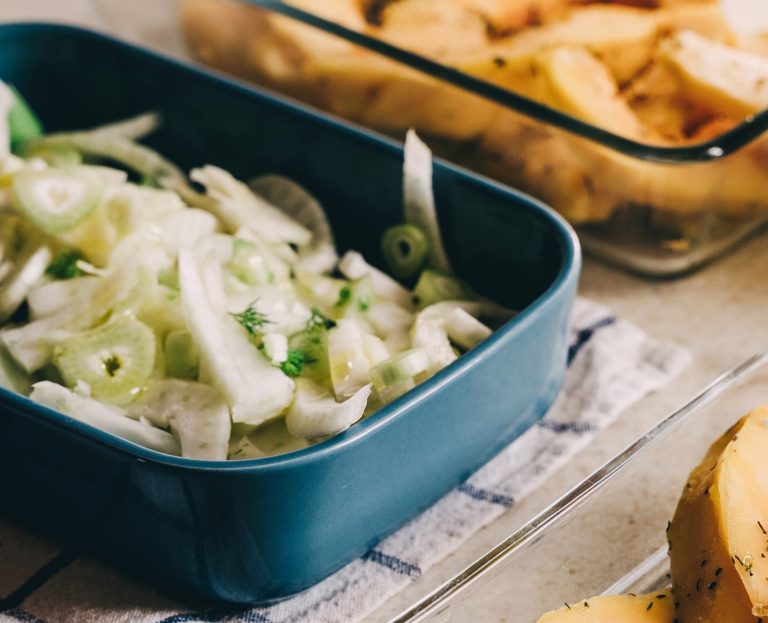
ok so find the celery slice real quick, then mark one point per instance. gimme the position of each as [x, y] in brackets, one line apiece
[56, 200]
[23, 123]
[255, 390]
[115, 360]
[104, 417]
[314, 412]
[182, 357]
[405, 366]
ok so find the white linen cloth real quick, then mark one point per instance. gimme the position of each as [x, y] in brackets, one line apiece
[612, 364]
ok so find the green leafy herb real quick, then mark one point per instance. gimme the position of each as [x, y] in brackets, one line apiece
[345, 294]
[252, 320]
[318, 320]
[297, 359]
[363, 304]
[64, 265]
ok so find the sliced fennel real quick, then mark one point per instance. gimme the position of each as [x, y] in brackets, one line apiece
[196, 414]
[30, 267]
[464, 329]
[6, 104]
[49, 297]
[104, 417]
[348, 360]
[353, 266]
[319, 255]
[314, 412]
[237, 207]
[419, 200]
[256, 392]
[216, 324]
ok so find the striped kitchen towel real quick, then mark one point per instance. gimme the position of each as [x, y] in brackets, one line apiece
[612, 364]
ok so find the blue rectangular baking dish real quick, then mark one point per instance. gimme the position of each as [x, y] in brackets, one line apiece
[259, 530]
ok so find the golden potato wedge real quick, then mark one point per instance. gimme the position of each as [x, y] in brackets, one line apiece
[704, 18]
[718, 536]
[582, 86]
[725, 79]
[622, 37]
[652, 608]
[432, 27]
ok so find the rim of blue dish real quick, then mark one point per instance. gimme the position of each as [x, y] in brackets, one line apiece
[714, 149]
[568, 273]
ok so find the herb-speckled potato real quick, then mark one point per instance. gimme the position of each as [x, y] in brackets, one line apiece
[652, 608]
[719, 534]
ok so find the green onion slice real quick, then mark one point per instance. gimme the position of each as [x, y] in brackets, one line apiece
[406, 250]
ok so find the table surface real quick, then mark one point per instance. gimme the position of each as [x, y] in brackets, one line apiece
[718, 313]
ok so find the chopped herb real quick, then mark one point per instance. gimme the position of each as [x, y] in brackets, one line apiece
[64, 265]
[297, 359]
[650, 605]
[318, 320]
[344, 295]
[252, 320]
[363, 304]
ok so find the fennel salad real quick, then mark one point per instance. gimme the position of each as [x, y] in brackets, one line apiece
[202, 316]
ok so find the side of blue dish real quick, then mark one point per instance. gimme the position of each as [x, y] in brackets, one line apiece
[259, 530]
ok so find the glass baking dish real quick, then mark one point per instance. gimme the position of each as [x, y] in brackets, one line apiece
[657, 210]
[607, 535]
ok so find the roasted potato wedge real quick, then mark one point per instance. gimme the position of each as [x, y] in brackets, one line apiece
[730, 81]
[652, 608]
[719, 534]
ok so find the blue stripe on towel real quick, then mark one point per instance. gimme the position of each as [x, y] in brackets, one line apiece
[487, 496]
[586, 334]
[21, 616]
[249, 616]
[578, 428]
[36, 580]
[393, 563]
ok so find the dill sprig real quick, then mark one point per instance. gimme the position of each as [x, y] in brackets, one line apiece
[252, 320]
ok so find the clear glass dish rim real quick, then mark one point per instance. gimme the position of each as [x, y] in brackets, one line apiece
[578, 495]
[716, 148]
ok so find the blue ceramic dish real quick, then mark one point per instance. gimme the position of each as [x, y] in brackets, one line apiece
[259, 530]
